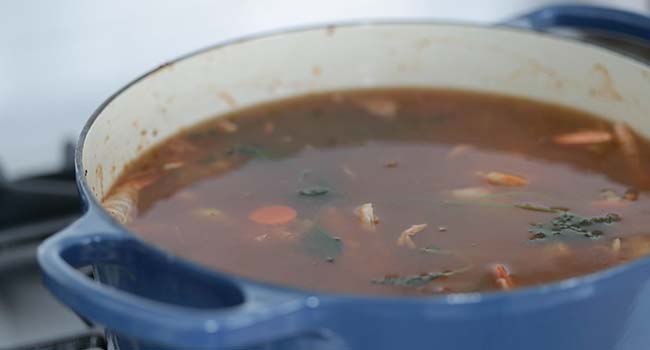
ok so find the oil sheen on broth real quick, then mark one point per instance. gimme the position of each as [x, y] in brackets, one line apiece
[395, 192]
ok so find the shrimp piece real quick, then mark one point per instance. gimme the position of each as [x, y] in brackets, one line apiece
[406, 238]
[503, 279]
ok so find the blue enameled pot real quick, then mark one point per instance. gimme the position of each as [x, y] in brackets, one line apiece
[149, 299]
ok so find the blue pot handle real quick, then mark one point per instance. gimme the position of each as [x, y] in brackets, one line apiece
[265, 313]
[617, 22]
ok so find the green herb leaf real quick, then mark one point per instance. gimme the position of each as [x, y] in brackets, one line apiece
[569, 223]
[198, 136]
[535, 207]
[479, 203]
[413, 280]
[250, 151]
[432, 249]
[313, 191]
[208, 159]
[321, 244]
[313, 185]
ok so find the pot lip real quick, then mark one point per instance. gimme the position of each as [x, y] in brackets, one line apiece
[563, 290]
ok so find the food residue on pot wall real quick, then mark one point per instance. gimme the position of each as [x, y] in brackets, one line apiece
[228, 99]
[535, 68]
[606, 88]
[99, 174]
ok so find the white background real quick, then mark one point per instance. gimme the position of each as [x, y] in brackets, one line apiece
[60, 59]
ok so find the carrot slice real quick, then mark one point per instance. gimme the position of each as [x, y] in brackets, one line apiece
[273, 215]
[504, 179]
[583, 137]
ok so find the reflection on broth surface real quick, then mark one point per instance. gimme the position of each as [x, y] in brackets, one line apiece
[395, 192]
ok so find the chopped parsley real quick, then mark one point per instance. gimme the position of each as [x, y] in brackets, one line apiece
[413, 280]
[567, 224]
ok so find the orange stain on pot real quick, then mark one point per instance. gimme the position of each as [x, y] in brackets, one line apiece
[99, 174]
[535, 68]
[646, 74]
[422, 43]
[228, 99]
[605, 88]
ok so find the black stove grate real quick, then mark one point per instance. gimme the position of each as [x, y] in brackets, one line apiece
[92, 340]
[35, 207]
[32, 209]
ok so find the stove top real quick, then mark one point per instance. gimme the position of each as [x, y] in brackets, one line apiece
[34, 208]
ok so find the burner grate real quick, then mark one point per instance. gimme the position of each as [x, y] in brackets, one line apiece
[91, 340]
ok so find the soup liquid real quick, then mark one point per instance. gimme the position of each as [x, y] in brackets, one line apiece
[273, 193]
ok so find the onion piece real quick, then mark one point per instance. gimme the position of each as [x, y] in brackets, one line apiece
[470, 193]
[122, 203]
[616, 245]
[366, 213]
[626, 140]
[380, 107]
[459, 150]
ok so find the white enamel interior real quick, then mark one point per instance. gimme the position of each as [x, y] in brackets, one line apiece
[258, 70]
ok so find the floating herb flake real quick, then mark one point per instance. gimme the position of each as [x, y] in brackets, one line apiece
[535, 207]
[313, 185]
[432, 249]
[250, 151]
[313, 191]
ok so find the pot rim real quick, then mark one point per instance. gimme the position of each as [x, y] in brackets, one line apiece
[563, 290]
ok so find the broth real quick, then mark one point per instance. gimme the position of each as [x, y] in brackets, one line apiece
[395, 192]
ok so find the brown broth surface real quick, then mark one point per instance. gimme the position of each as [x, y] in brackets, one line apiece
[418, 156]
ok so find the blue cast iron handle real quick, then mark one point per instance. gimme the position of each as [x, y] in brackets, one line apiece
[264, 315]
[616, 22]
